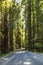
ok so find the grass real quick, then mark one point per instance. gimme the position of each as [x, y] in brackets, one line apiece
[3, 55]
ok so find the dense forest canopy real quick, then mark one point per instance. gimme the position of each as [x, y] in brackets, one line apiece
[21, 25]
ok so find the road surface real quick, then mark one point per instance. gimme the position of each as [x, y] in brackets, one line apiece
[22, 58]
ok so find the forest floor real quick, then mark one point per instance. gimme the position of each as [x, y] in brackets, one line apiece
[22, 58]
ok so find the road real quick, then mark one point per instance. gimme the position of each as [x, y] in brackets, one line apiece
[22, 58]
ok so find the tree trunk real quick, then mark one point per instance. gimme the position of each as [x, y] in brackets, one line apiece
[29, 24]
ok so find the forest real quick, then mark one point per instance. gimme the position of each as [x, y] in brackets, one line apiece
[21, 25]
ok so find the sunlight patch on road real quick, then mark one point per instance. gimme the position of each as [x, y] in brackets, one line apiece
[4, 58]
[27, 63]
[21, 52]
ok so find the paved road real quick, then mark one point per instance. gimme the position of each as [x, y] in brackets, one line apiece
[21, 58]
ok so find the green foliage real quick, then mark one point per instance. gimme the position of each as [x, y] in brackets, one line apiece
[21, 24]
[38, 45]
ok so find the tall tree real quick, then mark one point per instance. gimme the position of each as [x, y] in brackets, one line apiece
[29, 25]
[5, 40]
[11, 19]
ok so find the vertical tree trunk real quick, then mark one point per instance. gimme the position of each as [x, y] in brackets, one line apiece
[5, 34]
[11, 28]
[34, 23]
[37, 18]
[5, 41]
[11, 39]
[18, 38]
[29, 24]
